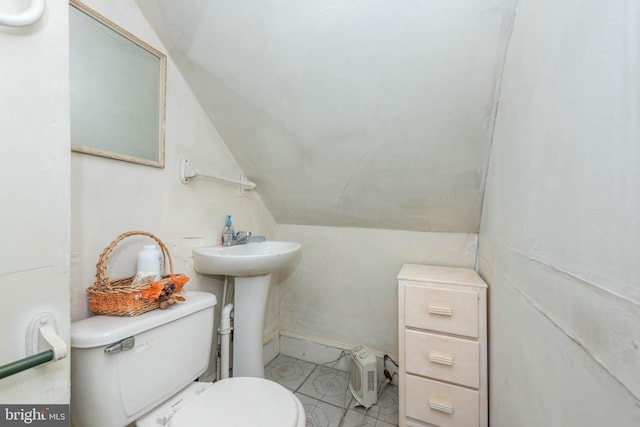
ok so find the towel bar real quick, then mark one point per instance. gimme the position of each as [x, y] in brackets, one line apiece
[26, 363]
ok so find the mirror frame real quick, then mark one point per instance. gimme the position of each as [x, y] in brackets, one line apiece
[161, 99]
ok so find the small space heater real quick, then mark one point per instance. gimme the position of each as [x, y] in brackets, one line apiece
[363, 376]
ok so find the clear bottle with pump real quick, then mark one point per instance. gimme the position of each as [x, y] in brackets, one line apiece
[150, 259]
[227, 234]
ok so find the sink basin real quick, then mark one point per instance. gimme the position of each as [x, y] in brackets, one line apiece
[251, 259]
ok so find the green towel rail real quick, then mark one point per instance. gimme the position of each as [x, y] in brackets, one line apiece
[26, 363]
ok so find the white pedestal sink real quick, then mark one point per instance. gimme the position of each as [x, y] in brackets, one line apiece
[251, 265]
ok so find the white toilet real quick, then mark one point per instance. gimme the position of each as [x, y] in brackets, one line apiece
[142, 369]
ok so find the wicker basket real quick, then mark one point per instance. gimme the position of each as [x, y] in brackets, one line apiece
[120, 297]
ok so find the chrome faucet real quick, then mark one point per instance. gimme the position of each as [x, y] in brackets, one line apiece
[244, 237]
[241, 237]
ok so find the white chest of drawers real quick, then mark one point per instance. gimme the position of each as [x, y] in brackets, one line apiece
[442, 320]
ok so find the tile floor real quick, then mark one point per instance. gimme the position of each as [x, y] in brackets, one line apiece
[326, 398]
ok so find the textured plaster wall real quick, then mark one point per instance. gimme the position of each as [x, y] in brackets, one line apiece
[349, 113]
[343, 287]
[560, 236]
[34, 216]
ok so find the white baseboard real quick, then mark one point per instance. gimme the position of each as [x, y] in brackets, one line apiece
[322, 351]
[313, 349]
[271, 347]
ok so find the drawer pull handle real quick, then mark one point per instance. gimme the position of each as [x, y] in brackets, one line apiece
[441, 311]
[442, 360]
[442, 407]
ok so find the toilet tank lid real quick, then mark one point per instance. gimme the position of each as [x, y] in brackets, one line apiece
[103, 330]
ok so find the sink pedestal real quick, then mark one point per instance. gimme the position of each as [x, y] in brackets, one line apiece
[250, 302]
[251, 265]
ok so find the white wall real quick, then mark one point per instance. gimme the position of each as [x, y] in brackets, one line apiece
[560, 235]
[110, 197]
[332, 104]
[34, 217]
[343, 286]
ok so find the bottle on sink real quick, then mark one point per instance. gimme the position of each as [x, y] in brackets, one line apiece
[227, 234]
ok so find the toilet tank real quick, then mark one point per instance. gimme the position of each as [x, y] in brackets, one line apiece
[113, 385]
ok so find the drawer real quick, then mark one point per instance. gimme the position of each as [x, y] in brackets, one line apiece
[443, 310]
[415, 424]
[444, 358]
[441, 404]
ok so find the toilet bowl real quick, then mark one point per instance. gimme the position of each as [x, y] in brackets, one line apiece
[241, 402]
[142, 369]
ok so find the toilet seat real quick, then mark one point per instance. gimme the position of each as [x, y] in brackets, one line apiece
[242, 402]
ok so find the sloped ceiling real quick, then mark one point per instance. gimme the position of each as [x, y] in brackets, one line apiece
[366, 113]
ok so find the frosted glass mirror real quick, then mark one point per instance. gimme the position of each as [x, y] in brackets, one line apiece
[117, 90]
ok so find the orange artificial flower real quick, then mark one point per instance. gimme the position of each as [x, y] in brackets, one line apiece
[153, 292]
[179, 281]
[155, 289]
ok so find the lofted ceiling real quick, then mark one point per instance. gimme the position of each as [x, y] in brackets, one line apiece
[364, 113]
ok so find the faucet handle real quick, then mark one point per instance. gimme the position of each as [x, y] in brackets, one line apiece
[241, 237]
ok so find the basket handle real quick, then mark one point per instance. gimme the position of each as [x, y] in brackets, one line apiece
[101, 266]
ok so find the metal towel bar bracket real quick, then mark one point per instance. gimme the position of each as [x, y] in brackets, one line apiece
[43, 344]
